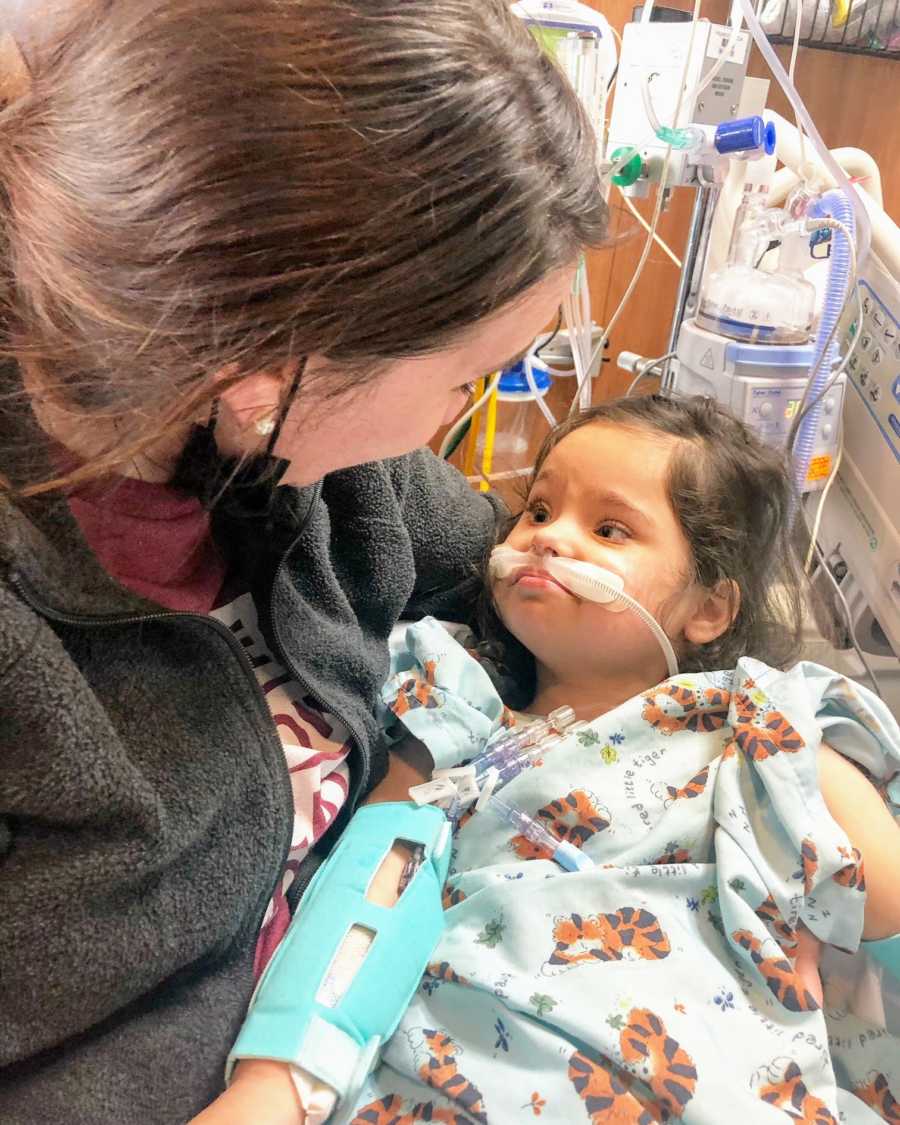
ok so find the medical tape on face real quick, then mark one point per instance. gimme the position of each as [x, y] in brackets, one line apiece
[587, 581]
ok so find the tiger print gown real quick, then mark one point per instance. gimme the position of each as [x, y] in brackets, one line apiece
[659, 985]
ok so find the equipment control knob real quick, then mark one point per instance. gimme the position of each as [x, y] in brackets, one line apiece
[829, 406]
[827, 430]
[765, 411]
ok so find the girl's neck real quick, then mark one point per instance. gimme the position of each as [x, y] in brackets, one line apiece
[589, 699]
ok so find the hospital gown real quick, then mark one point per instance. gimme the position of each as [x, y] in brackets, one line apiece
[657, 985]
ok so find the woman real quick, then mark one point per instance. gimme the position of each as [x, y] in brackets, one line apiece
[247, 246]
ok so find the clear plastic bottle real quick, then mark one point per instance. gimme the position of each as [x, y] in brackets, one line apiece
[746, 302]
[517, 414]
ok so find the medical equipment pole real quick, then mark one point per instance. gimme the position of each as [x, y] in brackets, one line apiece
[692, 267]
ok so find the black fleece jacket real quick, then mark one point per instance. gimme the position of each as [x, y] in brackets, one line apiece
[145, 808]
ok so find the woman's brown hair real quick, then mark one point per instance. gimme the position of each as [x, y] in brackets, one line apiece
[192, 186]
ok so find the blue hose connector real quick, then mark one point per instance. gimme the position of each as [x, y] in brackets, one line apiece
[747, 134]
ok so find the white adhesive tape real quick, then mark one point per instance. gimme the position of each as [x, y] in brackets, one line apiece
[429, 792]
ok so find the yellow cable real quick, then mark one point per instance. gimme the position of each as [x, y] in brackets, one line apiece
[474, 427]
[490, 432]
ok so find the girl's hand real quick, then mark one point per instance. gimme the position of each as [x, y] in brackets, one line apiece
[857, 807]
[262, 1092]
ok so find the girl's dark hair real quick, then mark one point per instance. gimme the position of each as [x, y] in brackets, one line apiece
[192, 186]
[732, 495]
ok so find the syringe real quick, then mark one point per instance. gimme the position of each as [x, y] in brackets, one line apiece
[565, 854]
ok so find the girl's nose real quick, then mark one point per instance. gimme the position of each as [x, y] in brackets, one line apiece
[553, 539]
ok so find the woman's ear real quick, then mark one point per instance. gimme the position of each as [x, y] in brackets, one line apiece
[15, 77]
[248, 411]
[714, 613]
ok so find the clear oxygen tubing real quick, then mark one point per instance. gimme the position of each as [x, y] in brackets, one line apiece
[584, 580]
[863, 227]
[528, 366]
[834, 205]
[473, 409]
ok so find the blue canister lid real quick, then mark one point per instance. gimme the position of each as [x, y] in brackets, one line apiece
[513, 381]
[746, 134]
[799, 356]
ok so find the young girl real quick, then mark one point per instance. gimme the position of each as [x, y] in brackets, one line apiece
[727, 836]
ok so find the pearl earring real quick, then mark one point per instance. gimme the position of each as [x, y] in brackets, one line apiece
[265, 426]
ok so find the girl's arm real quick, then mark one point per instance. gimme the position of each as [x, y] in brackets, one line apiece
[856, 806]
[262, 1092]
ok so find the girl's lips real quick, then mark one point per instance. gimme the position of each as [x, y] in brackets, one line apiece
[535, 578]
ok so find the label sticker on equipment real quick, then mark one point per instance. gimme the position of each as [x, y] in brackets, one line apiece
[708, 359]
[819, 468]
[719, 40]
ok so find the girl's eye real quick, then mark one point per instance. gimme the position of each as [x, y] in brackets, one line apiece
[538, 512]
[613, 531]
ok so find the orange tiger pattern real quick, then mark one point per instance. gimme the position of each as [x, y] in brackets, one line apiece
[878, 1097]
[416, 692]
[607, 1092]
[670, 708]
[763, 734]
[809, 862]
[452, 897]
[441, 970]
[631, 933]
[441, 1072]
[788, 1092]
[679, 855]
[778, 973]
[785, 935]
[692, 788]
[391, 1110]
[854, 874]
[575, 818]
[663, 1064]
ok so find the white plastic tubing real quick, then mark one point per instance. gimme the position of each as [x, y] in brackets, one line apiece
[833, 205]
[863, 228]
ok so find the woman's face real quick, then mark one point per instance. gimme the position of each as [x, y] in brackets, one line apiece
[403, 408]
[600, 497]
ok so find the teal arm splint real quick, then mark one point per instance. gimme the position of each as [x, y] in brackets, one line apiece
[289, 1020]
[886, 952]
